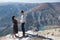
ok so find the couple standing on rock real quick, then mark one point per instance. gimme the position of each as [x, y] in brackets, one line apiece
[15, 24]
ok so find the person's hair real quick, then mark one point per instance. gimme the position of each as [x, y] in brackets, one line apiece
[22, 11]
[13, 18]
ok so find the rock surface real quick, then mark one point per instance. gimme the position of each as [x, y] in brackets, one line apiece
[50, 34]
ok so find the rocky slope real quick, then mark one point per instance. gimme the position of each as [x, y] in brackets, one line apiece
[50, 34]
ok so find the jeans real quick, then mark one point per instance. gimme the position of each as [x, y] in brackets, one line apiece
[23, 29]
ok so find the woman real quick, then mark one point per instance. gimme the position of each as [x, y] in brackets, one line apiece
[15, 26]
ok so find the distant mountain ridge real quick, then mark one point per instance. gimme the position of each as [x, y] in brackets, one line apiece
[45, 14]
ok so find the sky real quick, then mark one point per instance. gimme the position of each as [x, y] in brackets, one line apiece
[29, 1]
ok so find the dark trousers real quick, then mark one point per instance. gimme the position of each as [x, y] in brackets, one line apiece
[23, 29]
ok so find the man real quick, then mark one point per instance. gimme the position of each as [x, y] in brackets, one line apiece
[22, 21]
